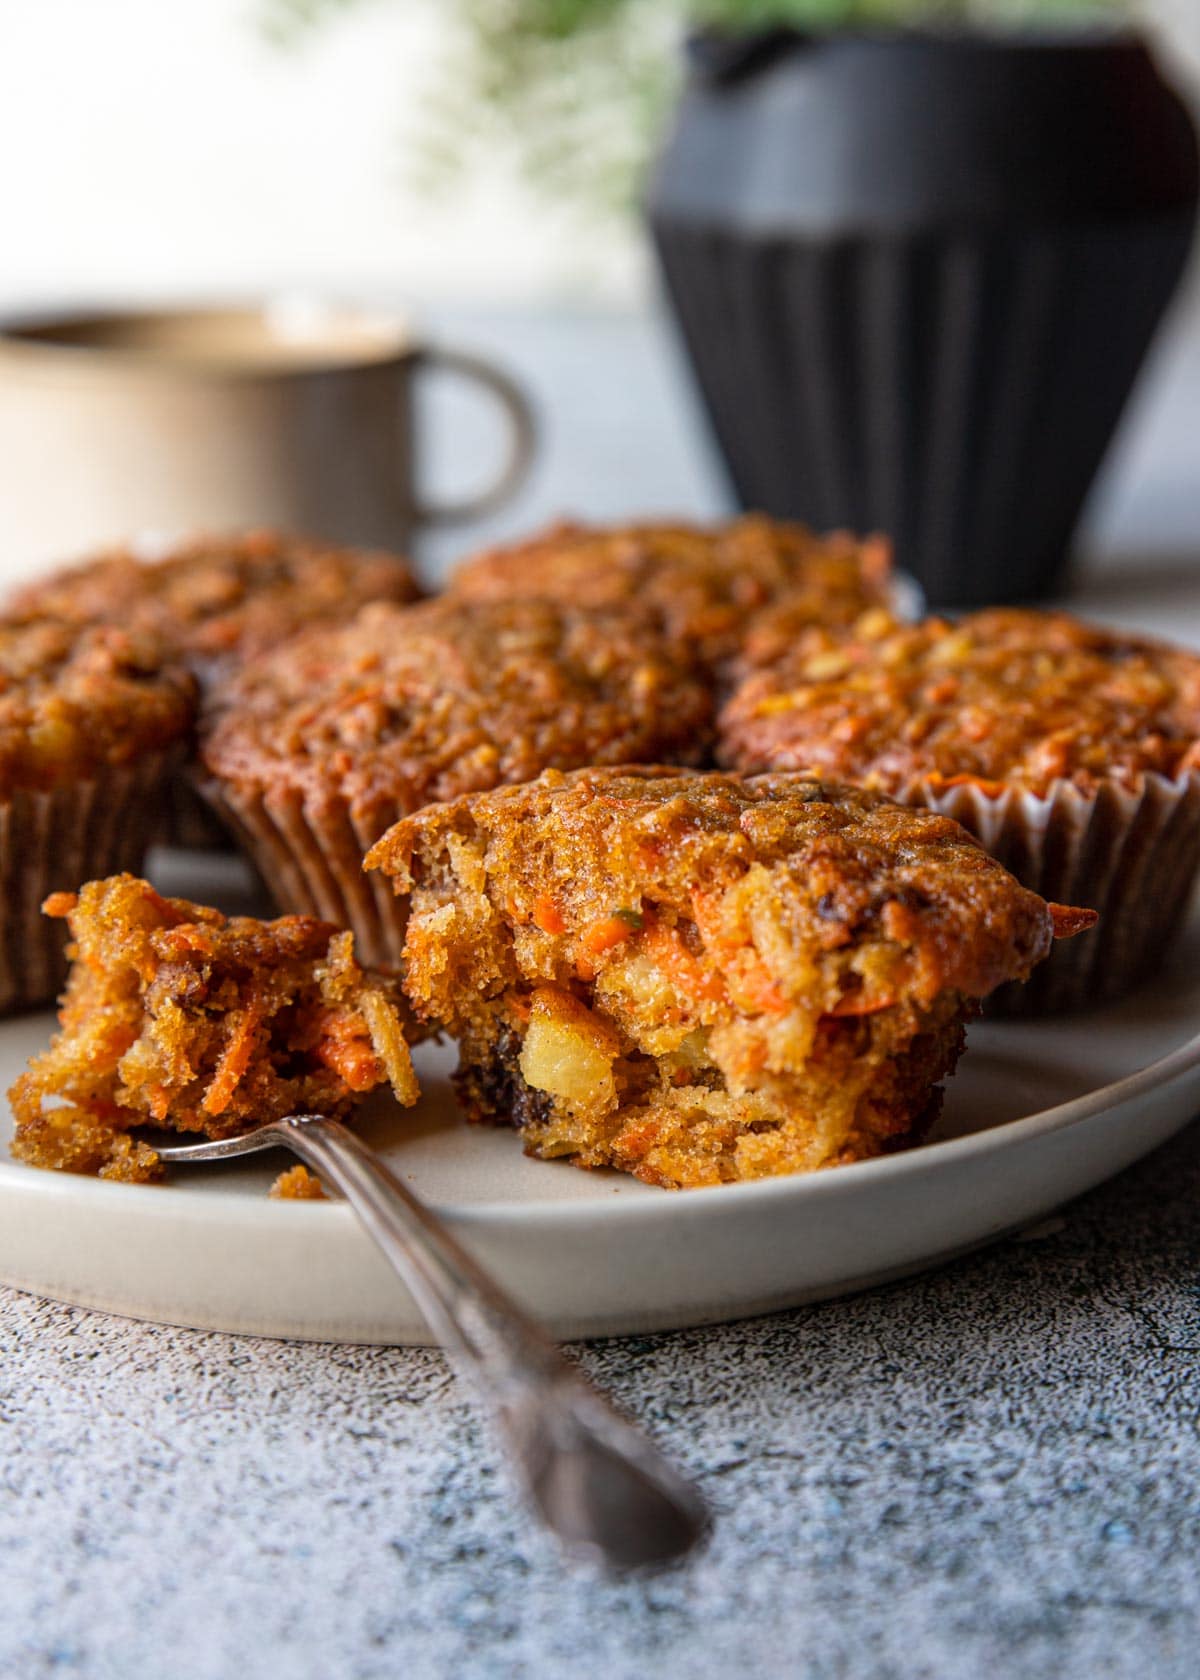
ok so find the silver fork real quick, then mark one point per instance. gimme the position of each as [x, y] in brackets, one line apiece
[600, 1485]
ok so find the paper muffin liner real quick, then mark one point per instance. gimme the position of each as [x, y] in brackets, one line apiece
[1130, 854]
[310, 856]
[189, 823]
[55, 841]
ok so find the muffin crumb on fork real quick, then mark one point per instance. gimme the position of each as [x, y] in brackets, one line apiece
[178, 1017]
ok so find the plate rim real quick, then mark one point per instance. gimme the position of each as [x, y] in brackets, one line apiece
[822, 1184]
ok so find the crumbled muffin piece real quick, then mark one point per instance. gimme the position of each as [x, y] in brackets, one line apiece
[177, 1016]
[1004, 698]
[297, 1184]
[705, 585]
[701, 978]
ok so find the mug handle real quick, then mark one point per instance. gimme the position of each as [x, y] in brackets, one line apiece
[522, 436]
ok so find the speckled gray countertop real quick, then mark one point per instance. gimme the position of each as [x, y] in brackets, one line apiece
[993, 1469]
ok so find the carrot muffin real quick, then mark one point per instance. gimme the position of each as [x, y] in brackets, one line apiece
[699, 978]
[704, 584]
[177, 1016]
[217, 601]
[316, 749]
[1072, 752]
[92, 724]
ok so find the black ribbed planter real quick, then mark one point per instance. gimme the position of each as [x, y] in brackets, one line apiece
[917, 275]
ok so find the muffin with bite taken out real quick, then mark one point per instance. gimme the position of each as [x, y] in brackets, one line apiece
[704, 978]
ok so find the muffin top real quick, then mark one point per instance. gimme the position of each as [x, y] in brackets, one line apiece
[217, 601]
[704, 584]
[774, 892]
[74, 698]
[1002, 698]
[409, 704]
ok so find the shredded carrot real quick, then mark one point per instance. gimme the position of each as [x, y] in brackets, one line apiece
[235, 1059]
[686, 972]
[855, 1003]
[750, 981]
[547, 916]
[992, 789]
[356, 696]
[351, 1057]
[1069, 920]
[601, 936]
[758, 987]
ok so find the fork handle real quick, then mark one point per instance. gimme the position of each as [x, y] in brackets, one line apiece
[597, 1482]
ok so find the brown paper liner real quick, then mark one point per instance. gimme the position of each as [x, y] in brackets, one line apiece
[189, 823]
[311, 858]
[1132, 855]
[53, 842]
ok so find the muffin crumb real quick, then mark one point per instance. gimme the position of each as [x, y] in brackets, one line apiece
[297, 1184]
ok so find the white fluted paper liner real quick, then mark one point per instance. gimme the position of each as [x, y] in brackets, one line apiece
[1130, 854]
[55, 841]
[311, 857]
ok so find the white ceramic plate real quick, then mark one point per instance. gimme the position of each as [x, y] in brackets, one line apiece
[1036, 1114]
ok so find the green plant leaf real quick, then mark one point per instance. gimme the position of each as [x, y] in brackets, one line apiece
[575, 92]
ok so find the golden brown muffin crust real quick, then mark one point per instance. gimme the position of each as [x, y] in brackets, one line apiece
[600, 851]
[407, 705]
[76, 698]
[219, 600]
[704, 584]
[1005, 697]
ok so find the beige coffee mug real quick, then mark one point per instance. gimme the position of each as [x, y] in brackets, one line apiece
[116, 425]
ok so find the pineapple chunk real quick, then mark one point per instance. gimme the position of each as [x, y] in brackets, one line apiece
[569, 1053]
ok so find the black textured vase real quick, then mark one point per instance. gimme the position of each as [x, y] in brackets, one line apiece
[916, 276]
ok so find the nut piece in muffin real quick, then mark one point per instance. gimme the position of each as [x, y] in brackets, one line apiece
[1073, 752]
[177, 1016]
[705, 584]
[313, 751]
[217, 601]
[93, 721]
[703, 978]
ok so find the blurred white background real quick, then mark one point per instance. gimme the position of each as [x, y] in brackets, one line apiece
[157, 147]
[167, 149]
[168, 146]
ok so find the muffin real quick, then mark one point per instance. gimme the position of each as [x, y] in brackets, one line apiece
[178, 1017]
[218, 601]
[704, 584]
[93, 722]
[1071, 751]
[700, 978]
[314, 750]
[215, 602]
